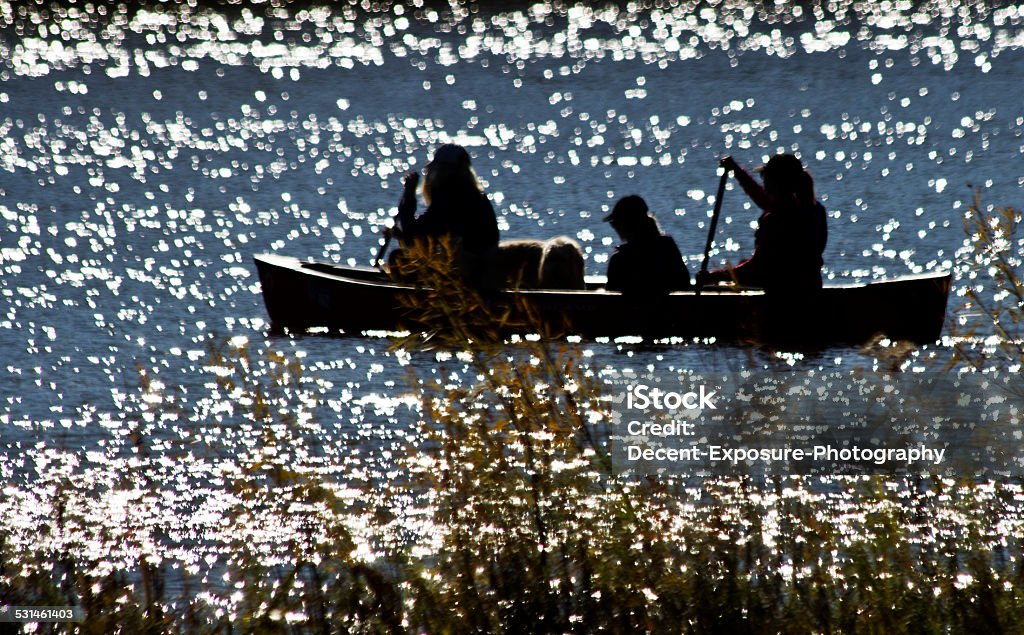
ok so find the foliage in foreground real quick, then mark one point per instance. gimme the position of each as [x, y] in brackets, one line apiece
[531, 531]
[989, 329]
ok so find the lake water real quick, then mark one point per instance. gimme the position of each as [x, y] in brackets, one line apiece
[145, 157]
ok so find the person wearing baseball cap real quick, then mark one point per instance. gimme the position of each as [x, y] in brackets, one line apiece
[791, 234]
[647, 261]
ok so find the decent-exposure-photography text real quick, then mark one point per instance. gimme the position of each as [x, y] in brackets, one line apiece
[822, 423]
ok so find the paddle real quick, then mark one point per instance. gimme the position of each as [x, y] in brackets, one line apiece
[384, 247]
[712, 229]
[409, 183]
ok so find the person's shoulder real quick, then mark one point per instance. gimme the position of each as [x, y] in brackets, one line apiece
[620, 250]
[483, 202]
[813, 212]
[667, 243]
[772, 219]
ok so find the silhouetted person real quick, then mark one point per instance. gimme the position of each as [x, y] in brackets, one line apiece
[791, 233]
[647, 261]
[457, 209]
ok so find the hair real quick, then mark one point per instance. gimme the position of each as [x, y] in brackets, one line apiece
[785, 179]
[451, 177]
[805, 189]
[640, 228]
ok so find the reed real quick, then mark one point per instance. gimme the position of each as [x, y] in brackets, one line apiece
[531, 531]
[989, 326]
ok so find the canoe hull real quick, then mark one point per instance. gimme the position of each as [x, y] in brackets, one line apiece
[345, 300]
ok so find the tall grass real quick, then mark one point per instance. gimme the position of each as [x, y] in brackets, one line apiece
[528, 529]
[989, 328]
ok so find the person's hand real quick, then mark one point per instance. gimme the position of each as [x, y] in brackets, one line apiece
[411, 180]
[728, 163]
[707, 278]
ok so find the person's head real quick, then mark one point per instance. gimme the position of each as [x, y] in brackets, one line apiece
[785, 179]
[631, 219]
[451, 170]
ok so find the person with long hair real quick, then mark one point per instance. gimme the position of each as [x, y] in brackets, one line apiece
[647, 261]
[791, 234]
[457, 207]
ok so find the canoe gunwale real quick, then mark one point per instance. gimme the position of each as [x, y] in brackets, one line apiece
[342, 274]
[304, 294]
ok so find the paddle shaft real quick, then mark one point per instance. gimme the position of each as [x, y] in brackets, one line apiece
[409, 184]
[384, 248]
[712, 229]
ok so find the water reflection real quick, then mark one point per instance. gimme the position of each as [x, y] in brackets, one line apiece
[148, 154]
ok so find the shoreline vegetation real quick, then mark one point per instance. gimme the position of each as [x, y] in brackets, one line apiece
[524, 528]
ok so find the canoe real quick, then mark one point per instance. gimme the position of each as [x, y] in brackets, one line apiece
[304, 295]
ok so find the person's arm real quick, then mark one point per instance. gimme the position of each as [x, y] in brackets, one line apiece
[679, 275]
[765, 265]
[714, 277]
[745, 274]
[749, 184]
[472, 217]
[489, 223]
[407, 205]
[615, 274]
[748, 272]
